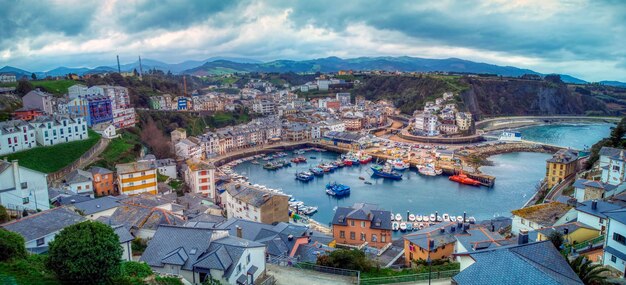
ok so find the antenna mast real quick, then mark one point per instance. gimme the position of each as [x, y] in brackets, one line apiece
[140, 69]
[119, 70]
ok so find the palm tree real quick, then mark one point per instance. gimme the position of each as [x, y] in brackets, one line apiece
[587, 272]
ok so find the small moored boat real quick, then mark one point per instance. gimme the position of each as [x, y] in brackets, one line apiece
[398, 217]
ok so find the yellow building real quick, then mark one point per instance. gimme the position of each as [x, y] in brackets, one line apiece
[575, 232]
[560, 166]
[136, 177]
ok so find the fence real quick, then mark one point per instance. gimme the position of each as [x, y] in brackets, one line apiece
[94, 150]
[293, 262]
[585, 244]
[409, 278]
[269, 280]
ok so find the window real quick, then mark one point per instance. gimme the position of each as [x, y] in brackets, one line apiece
[523, 221]
[342, 234]
[613, 258]
[363, 237]
[374, 238]
[619, 238]
[362, 224]
[383, 238]
[24, 185]
[352, 223]
[248, 259]
[615, 167]
[352, 236]
[25, 200]
[40, 241]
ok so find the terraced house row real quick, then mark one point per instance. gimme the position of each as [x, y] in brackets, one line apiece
[19, 135]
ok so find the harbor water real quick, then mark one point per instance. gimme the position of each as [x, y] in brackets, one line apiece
[517, 175]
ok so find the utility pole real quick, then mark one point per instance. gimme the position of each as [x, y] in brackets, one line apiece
[140, 69]
[119, 70]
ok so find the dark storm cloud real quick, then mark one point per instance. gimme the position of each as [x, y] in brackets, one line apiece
[579, 32]
[29, 18]
[170, 14]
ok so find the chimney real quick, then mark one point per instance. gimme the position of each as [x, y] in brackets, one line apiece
[522, 238]
[16, 174]
[239, 232]
[565, 231]
[594, 204]
[290, 237]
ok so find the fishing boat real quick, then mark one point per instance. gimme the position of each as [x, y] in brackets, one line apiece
[325, 167]
[254, 162]
[398, 164]
[463, 179]
[395, 226]
[302, 176]
[452, 219]
[299, 159]
[386, 172]
[446, 217]
[368, 183]
[432, 217]
[472, 220]
[365, 159]
[347, 162]
[411, 217]
[425, 218]
[409, 226]
[398, 217]
[403, 226]
[317, 171]
[418, 218]
[309, 210]
[298, 152]
[439, 219]
[428, 169]
[460, 219]
[268, 158]
[271, 166]
[337, 190]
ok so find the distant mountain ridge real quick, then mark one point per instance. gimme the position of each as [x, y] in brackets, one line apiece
[224, 65]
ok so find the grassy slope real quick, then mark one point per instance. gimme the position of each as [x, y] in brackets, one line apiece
[58, 87]
[52, 158]
[120, 150]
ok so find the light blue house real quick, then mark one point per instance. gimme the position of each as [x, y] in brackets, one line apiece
[615, 244]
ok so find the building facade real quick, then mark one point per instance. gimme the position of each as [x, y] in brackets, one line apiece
[560, 166]
[24, 188]
[362, 224]
[15, 136]
[136, 177]
[249, 203]
[51, 130]
[37, 99]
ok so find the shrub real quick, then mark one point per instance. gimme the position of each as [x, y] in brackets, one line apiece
[11, 246]
[136, 269]
[87, 253]
[347, 259]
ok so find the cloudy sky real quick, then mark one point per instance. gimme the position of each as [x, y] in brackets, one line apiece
[586, 39]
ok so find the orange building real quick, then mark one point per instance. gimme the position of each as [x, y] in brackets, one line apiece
[416, 246]
[360, 224]
[136, 177]
[26, 114]
[102, 181]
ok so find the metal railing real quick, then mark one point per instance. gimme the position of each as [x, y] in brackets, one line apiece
[293, 262]
[409, 277]
[585, 244]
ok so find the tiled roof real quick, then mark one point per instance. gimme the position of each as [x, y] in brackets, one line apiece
[362, 211]
[79, 176]
[133, 167]
[442, 234]
[571, 227]
[613, 153]
[601, 208]
[250, 195]
[99, 170]
[123, 233]
[479, 238]
[534, 263]
[41, 224]
[583, 183]
[543, 214]
[618, 215]
[97, 205]
[564, 156]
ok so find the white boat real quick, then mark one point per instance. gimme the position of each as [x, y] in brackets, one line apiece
[433, 218]
[418, 218]
[416, 226]
[398, 217]
[452, 218]
[446, 217]
[395, 226]
[403, 226]
[428, 169]
[510, 136]
[439, 219]
[459, 219]
[411, 217]
[398, 164]
[472, 220]
[425, 218]
[393, 217]
[421, 226]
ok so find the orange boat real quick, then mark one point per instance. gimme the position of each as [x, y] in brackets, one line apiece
[463, 179]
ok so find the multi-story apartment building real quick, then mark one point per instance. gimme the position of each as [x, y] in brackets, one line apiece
[51, 130]
[16, 135]
[188, 148]
[615, 241]
[362, 223]
[38, 99]
[136, 177]
[123, 113]
[200, 176]
[353, 123]
[95, 108]
[22, 188]
[257, 132]
[264, 107]
[103, 182]
[249, 203]
[448, 128]
[77, 90]
[613, 165]
[464, 120]
[426, 123]
[343, 98]
[560, 166]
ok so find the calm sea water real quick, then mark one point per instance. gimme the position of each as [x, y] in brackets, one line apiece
[517, 174]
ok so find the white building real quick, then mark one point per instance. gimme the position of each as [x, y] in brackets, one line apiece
[426, 123]
[15, 136]
[593, 213]
[615, 242]
[200, 177]
[333, 126]
[253, 204]
[106, 130]
[7, 78]
[80, 182]
[464, 120]
[22, 188]
[41, 228]
[264, 107]
[343, 98]
[77, 90]
[323, 84]
[51, 130]
[541, 216]
[186, 149]
[613, 165]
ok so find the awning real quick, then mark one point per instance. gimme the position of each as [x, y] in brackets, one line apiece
[242, 279]
[252, 270]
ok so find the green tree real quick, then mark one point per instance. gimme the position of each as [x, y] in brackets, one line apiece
[556, 238]
[4, 215]
[33, 76]
[23, 87]
[86, 253]
[136, 269]
[587, 272]
[12, 246]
